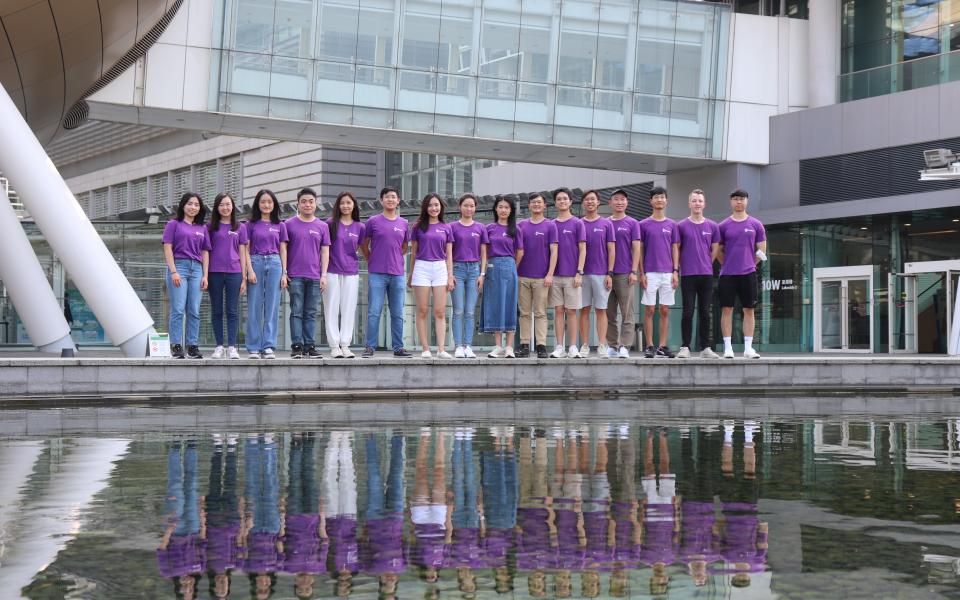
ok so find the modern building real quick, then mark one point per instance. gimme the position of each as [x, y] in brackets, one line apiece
[820, 109]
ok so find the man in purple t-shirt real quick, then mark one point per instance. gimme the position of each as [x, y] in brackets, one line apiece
[626, 270]
[743, 244]
[539, 238]
[659, 271]
[699, 245]
[565, 293]
[308, 254]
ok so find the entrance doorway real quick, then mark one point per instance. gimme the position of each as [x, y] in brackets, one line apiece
[843, 309]
[921, 306]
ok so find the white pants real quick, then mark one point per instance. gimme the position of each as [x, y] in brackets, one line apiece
[339, 476]
[340, 308]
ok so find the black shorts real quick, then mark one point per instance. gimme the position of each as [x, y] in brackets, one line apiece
[743, 287]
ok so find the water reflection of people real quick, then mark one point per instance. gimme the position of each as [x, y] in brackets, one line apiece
[661, 517]
[340, 500]
[465, 549]
[569, 546]
[263, 525]
[498, 478]
[535, 516]
[223, 517]
[430, 509]
[305, 536]
[627, 532]
[383, 532]
[596, 513]
[181, 555]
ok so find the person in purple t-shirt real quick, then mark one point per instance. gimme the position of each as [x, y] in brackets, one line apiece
[308, 257]
[535, 271]
[343, 276]
[430, 508]
[186, 249]
[470, 243]
[659, 273]
[383, 248]
[620, 335]
[743, 244]
[498, 313]
[305, 535]
[431, 272]
[227, 279]
[597, 271]
[565, 293]
[266, 261]
[699, 246]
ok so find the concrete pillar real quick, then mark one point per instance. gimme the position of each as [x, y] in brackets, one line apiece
[71, 235]
[823, 52]
[37, 306]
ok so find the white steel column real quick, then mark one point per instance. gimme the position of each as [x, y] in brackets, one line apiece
[823, 52]
[36, 304]
[71, 235]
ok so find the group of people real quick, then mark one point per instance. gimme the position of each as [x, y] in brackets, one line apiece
[516, 270]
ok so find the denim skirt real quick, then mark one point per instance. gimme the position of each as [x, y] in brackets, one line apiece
[498, 311]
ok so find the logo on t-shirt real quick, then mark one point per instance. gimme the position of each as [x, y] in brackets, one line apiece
[623, 229]
[539, 233]
[706, 233]
[566, 231]
[314, 232]
[273, 230]
[748, 230]
[666, 230]
[397, 229]
[352, 234]
[598, 230]
[232, 233]
[200, 233]
[474, 234]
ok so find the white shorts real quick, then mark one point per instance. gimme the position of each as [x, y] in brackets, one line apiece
[662, 494]
[657, 282]
[429, 514]
[595, 294]
[429, 273]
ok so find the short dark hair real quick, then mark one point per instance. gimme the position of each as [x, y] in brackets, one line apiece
[588, 192]
[563, 190]
[739, 193]
[387, 190]
[534, 195]
[657, 190]
[306, 192]
[620, 191]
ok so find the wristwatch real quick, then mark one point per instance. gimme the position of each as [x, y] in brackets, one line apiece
[579, 271]
[675, 270]
[609, 273]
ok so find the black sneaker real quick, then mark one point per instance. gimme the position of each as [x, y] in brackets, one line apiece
[523, 351]
[312, 352]
[649, 352]
[664, 352]
[176, 351]
[194, 352]
[296, 351]
[368, 352]
[542, 351]
[401, 353]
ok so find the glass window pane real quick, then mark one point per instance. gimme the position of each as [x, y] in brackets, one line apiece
[578, 42]
[253, 25]
[338, 31]
[537, 48]
[421, 37]
[375, 44]
[500, 43]
[456, 37]
[293, 28]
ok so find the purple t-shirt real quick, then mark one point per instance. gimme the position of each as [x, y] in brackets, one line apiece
[698, 541]
[467, 241]
[432, 243]
[501, 243]
[223, 551]
[225, 252]
[265, 237]
[739, 240]
[569, 235]
[303, 550]
[386, 241]
[343, 250]
[303, 250]
[383, 552]
[658, 238]
[188, 240]
[537, 238]
[183, 555]
[696, 240]
[626, 231]
[263, 555]
[599, 233]
[344, 553]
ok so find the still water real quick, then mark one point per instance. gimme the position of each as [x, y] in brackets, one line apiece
[591, 506]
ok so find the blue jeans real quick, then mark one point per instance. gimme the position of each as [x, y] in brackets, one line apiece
[304, 295]
[262, 484]
[263, 303]
[218, 284]
[499, 306]
[185, 299]
[464, 302]
[183, 501]
[391, 286]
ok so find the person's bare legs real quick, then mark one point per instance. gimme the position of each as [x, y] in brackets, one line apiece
[749, 322]
[559, 315]
[726, 321]
[648, 324]
[422, 296]
[572, 327]
[664, 325]
[440, 315]
[601, 325]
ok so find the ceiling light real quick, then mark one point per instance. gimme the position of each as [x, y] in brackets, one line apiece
[906, 224]
[864, 228]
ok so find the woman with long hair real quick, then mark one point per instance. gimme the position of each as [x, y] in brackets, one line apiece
[228, 259]
[343, 274]
[469, 268]
[186, 249]
[266, 263]
[431, 271]
[499, 306]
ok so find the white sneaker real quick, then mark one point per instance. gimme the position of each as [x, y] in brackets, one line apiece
[612, 352]
[558, 352]
[603, 351]
[426, 354]
[232, 353]
[508, 353]
[269, 354]
[684, 352]
[444, 355]
[728, 353]
[346, 352]
[468, 352]
[708, 353]
[751, 353]
[573, 352]
[497, 352]
[255, 355]
[458, 353]
[217, 352]
[585, 351]
[336, 352]
[624, 352]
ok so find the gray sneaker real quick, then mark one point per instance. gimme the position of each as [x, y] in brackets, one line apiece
[708, 353]
[684, 352]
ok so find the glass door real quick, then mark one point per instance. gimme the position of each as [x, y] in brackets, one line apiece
[844, 315]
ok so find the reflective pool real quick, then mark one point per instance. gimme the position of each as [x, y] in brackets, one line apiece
[588, 505]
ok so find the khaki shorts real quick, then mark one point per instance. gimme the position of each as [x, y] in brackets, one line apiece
[562, 293]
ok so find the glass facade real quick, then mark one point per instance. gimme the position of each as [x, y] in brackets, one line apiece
[631, 75]
[895, 45]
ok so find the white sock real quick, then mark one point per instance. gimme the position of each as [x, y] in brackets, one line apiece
[747, 343]
[727, 344]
